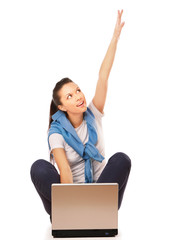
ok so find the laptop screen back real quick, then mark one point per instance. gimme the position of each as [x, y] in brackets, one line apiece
[85, 206]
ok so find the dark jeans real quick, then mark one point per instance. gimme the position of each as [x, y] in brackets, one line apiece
[43, 174]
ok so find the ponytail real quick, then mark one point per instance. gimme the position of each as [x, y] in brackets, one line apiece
[56, 99]
[53, 110]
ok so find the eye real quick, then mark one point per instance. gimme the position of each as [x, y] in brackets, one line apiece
[76, 90]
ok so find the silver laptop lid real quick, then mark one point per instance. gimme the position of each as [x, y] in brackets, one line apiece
[84, 206]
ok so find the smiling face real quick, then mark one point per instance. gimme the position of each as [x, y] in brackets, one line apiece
[71, 96]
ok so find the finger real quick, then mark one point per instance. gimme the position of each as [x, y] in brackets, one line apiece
[121, 13]
[122, 24]
[119, 17]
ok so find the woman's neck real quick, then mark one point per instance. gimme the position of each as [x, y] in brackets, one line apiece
[75, 119]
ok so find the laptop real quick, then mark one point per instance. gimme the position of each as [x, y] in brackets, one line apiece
[84, 209]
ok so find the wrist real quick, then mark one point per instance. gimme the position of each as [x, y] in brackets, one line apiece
[115, 38]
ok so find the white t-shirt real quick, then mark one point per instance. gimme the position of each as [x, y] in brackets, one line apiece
[76, 162]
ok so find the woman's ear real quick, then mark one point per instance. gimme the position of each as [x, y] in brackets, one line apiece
[60, 107]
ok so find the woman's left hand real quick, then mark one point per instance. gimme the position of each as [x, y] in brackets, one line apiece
[119, 25]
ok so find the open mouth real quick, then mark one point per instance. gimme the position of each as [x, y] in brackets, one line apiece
[81, 104]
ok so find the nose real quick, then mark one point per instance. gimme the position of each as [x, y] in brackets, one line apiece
[78, 97]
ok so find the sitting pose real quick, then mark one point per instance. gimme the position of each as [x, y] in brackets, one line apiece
[75, 137]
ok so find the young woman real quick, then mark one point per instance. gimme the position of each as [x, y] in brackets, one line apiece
[75, 137]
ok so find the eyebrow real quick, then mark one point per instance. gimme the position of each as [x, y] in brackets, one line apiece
[70, 93]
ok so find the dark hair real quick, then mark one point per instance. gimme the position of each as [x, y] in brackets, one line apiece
[55, 98]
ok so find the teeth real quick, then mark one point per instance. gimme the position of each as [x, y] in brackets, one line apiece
[80, 104]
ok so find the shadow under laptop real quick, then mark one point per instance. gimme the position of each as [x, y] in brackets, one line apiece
[48, 236]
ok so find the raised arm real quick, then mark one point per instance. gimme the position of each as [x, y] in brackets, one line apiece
[102, 83]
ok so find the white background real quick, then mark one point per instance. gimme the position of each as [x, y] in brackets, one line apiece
[44, 41]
